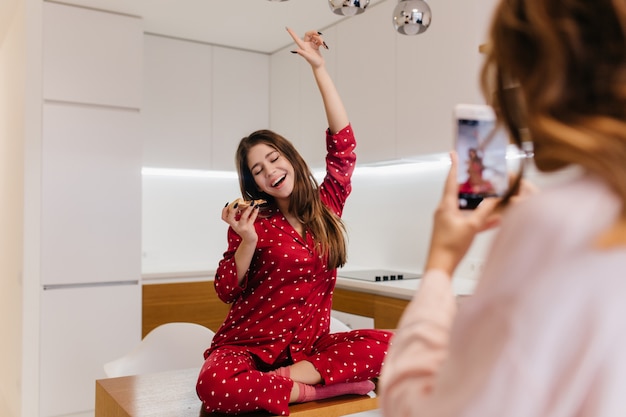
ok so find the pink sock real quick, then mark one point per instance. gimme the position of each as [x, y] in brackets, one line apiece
[284, 372]
[313, 393]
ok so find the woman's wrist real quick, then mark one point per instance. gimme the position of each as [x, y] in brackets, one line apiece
[249, 242]
[442, 261]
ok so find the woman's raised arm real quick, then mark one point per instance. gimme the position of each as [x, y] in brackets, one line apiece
[308, 48]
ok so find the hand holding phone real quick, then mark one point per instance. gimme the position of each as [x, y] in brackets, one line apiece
[481, 149]
[454, 230]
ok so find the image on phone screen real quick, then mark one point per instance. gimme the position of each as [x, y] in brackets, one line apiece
[482, 169]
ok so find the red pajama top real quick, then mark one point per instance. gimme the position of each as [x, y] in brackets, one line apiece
[283, 304]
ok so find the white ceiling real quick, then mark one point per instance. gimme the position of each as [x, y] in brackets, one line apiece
[257, 25]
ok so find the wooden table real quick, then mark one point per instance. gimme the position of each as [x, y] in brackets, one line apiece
[173, 394]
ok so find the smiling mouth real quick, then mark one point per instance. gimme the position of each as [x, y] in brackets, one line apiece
[279, 181]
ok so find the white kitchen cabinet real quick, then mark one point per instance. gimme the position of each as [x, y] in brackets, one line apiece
[91, 194]
[240, 101]
[81, 329]
[90, 249]
[176, 113]
[199, 101]
[434, 71]
[366, 79]
[89, 238]
[91, 56]
[285, 95]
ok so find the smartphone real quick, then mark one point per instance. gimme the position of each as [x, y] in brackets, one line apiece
[481, 149]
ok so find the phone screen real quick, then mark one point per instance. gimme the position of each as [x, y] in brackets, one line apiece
[482, 169]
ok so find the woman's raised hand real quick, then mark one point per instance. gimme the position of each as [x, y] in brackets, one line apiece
[309, 46]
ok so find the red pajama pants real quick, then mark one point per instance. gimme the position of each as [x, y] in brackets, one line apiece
[234, 381]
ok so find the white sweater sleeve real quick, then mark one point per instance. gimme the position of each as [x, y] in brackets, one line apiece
[419, 347]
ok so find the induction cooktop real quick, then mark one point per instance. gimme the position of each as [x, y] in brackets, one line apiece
[378, 275]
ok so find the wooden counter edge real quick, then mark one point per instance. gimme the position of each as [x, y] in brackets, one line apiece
[106, 405]
[140, 395]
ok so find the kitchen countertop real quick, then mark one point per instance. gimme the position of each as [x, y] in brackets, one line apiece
[403, 289]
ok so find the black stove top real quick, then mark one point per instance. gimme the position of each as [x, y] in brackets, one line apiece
[378, 275]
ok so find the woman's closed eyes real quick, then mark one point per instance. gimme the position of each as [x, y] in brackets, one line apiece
[272, 157]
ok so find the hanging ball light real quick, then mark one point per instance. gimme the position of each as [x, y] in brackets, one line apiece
[411, 17]
[348, 7]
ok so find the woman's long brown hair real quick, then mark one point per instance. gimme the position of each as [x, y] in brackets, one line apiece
[558, 69]
[326, 227]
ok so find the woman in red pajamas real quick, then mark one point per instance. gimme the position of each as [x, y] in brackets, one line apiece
[279, 273]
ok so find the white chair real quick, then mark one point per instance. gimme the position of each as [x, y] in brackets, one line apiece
[338, 326]
[168, 347]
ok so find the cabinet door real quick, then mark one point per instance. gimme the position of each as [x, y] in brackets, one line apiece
[285, 95]
[91, 56]
[436, 70]
[366, 79]
[81, 329]
[176, 114]
[240, 101]
[91, 195]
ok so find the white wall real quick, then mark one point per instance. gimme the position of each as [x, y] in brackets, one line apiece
[7, 14]
[20, 138]
[12, 65]
[182, 229]
[388, 217]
